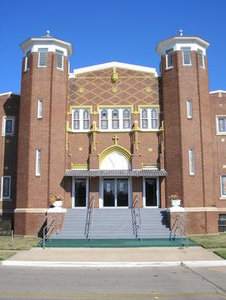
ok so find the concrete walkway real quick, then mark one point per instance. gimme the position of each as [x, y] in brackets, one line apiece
[115, 257]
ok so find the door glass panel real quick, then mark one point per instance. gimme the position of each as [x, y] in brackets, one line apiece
[80, 193]
[151, 195]
[122, 192]
[109, 192]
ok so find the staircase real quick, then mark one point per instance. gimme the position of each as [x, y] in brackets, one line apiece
[114, 224]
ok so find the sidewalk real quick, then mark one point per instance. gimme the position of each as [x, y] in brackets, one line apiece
[115, 257]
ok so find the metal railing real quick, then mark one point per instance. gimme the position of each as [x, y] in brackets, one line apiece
[136, 219]
[89, 218]
[178, 226]
[47, 232]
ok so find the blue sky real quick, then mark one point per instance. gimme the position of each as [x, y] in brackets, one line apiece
[104, 30]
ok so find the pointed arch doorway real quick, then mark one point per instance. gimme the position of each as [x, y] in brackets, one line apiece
[115, 192]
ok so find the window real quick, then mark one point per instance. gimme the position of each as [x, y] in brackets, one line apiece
[38, 162]
[221, 124]
[191, 156]
[8, 126]
[115, 119]
[27, 61]
[60, 59]
[42, 57]
[189, 109]
[149, 118]
[223, 185]
[169, 58]
[186, 55]
[201, 59]
[40, 108]
[6, 187]
[81, 119]
[222, 223]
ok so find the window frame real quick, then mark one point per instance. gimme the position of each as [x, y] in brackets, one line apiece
[217, 124]
[60, 53]
[109, 120]
[169, 53]
[189, 106]
[221, 185]
[2, 188]
[40, 50]
[5, 119]
[40, 109]
[201, 59]
[80, 119]
[27, 61]
[191, 161]
[38, 162]
[149, 118]
[183, 55]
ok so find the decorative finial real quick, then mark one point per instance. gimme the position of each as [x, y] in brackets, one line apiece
[47, 33]
[181, 32]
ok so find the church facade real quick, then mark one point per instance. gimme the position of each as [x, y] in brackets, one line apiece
[115, 134]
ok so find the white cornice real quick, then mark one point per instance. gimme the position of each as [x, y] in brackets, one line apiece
[218, 91]
[114, 65]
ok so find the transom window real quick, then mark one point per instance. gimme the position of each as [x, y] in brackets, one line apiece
[80, 119]
[186, 55]
[115, 119]
[221, 124]
[42, 56]
[149, 118]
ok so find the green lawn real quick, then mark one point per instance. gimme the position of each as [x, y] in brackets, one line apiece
[6, 254]
[20, 243]
[221, 253]
[210, 241]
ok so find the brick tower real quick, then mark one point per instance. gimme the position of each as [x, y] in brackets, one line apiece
[188, 142]
[42, 122]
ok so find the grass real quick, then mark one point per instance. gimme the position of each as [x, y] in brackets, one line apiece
[20, 243]
[210, 241]
[6, 254]
[221, 253]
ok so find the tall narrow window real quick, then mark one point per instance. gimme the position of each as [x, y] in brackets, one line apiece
[223, 185]
[6, 187]
[60, 59]
[126, 119]
[8, 126]
[86, 119]
[169, 58]
[144, 118]
[38, 162]
[191, 155]
[154, 118]
[115, 119]
[40, 108]
[42, 57]
[27, 61]
[104, 119]
[189, 108]
[221, 125]
[76, 120]
[201, 58]
[186, 55]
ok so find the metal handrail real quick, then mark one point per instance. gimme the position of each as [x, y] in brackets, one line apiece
[89, 218]
[179, 226]
[136, 227]
[47, 231]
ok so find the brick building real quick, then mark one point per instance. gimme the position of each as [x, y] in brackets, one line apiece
[114, 133]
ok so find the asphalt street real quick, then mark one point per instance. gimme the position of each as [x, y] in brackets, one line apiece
[104, 283]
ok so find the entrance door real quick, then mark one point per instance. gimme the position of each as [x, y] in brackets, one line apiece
[115, 193]
[151, 192]
[80, 192]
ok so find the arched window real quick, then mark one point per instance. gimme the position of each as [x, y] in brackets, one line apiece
[76, 121]
[126, 119]
[86, 119]
[154, 118]
[115, 119]
[144, 118]
[104, 119]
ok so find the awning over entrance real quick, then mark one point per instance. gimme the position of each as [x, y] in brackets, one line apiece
[116, 173]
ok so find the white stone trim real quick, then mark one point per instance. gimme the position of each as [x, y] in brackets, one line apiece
[197, 209]
[9, 93]
[113, 65]
[56, 210]
[31, 210]
[218, 91]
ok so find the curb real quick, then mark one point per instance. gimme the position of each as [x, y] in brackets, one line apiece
[68, 264]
